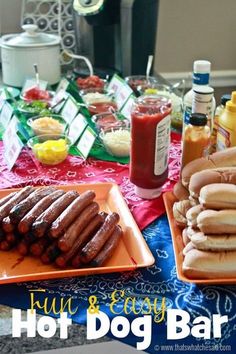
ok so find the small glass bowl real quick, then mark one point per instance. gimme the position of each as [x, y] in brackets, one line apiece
[48, 150]
[156, 89]
[90, 82]
[33, 108]
[55, 127]
[139, 83]
[116, 141]
[33, 98]
[98, 100]
[7, 93]
[106, 121]
[176, 102]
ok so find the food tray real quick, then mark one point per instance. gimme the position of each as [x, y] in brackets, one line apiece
[178, 246]
[132, 252]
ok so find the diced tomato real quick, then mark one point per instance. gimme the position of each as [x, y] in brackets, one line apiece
[90, 82]
[102, 107]
[35, 93]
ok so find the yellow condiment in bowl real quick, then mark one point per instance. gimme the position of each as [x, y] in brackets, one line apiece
[50, 151]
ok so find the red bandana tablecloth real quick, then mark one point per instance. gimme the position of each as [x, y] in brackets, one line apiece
[75, 170]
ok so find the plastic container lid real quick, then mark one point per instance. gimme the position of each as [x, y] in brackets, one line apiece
[201, 66]
[231, 105]
[225, 98]
[146, 193]
[30, 38]
[198, 119]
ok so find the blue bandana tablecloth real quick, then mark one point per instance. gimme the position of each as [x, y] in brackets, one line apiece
[157, 281]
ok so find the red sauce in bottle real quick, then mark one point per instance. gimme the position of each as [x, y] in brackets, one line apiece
[150, 136]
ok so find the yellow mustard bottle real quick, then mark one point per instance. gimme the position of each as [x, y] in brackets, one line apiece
[226, 134]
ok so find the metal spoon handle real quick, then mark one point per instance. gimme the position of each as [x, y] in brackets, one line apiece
[36, 74]
[149, 66]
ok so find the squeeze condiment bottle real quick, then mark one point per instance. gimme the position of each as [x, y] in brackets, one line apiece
[201, 76]
[226, 134]
[150, 139]
[196, 138]
[219, 110]
[202, 103]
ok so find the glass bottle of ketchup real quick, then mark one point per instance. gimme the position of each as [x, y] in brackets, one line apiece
[150, 139]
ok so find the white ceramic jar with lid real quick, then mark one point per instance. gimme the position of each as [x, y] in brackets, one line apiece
[21, 51]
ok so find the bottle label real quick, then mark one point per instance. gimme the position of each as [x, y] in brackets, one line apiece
[201, 79]
[203, 103]
[223, 138]
[187, 112]
[162, 146]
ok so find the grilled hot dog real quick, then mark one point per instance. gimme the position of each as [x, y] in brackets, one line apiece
[84, 236]
[7, 225]
[70, 213]
[19, 210]
[66, 242]
[27, 221]
[44, 221]
[6, 198]
[108, 249]
[37, 248]
[93, 247]
[51, 253]
[17, 198]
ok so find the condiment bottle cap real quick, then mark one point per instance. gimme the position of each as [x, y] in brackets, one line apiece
[225, 98]
[198, 119]
[231, 105]
[201, 66]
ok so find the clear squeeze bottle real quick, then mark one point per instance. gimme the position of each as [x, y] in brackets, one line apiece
[201, 75]
[150, 139]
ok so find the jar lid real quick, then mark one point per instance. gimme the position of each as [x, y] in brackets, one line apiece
[225, 98]
[30, 38]
[201, 66]
[198, 119]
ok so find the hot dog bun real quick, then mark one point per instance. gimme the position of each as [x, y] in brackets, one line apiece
[207, 265]
[216, 243]
[179, 210]
[225, 158]
[188, 248]
[185, 237]
[180, 192]
[218, 196]
[217, 222]
[192, 215]
[203, 178]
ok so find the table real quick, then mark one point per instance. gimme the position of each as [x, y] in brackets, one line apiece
[158, 280]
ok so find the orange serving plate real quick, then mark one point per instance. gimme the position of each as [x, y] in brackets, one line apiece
[178, 245]
[132, 252]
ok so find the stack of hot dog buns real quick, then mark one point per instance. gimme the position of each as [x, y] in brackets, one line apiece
[60, 227]
[206, 211]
